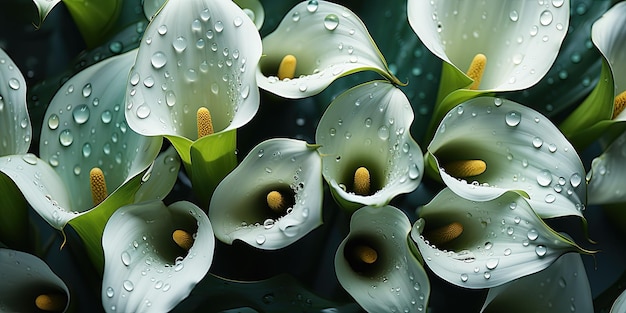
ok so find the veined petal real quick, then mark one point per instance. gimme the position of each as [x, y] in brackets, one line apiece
[240, 208]
[194, 54]
[620, 303]
[328, 41]
[385, 230]
[520, 39]
[522, 149]
[26, 277]
[145, 270]
[84, 127]
[606, 177]
[15, 128]
[368, 126]
[500, 240]
[561, 287]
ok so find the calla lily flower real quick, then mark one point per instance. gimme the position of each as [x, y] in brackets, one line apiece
[296, 65]
[485, 244]
[273, 198]
[561, 287]
[84, 129]
[376, 257]
[515, 44]
[487, 146]
[620, 303]
[193, 82]
[605, 105]
[29, 285]
[368, 154]
[154, 255]
[606, 177]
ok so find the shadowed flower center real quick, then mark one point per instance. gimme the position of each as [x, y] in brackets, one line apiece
[204, 122]
[183, 239]
[476, 70]
[287, 67]
[619, 104]
[465, 168]
[444, 234]
[51, 302]
[98, 185]
[363, 255]
[276, 202]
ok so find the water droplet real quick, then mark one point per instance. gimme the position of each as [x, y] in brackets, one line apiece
[513, 118]
[204, 15]
[331, 21]
[492, 263]
[544, 178]
[414, 172]
[557, 3]
[514, 16]
[219, 26]
[295, 16]
[237, 21]
[532, 234]
[81, 114]
[534, 30]
[290, 231]
[158, 60]
[180, 44]
[312, 6]
[575, 180]
[30, 158]
[518, 58]
[545, 18]
[53, 121]
[268, 223]
[488, 245]
[110, 292]
[541, 250]
[260, 239]
[143, 111]
[128, 285]
[464, 277]
[507, 252]
[87, 90]
[14, 84]
[383, 132]
[125, 258]
[550, 198]
[537, 142]
[66, 138]
[552, 147]
[487, 275]
[116, 47]
[162, 30]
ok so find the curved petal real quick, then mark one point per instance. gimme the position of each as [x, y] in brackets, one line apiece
[620, 303]
[522, 149]
[84, 127]
[162, 177]
[609, 35]
[44, 7]
[501, 240]
[194, 54]
[328, 40]
[606, 177]
[520, 39]
[26, 277]
[145, 271]
[291, 167]
[384, 229]
[368, 126]
[15, 128]
[561, 287]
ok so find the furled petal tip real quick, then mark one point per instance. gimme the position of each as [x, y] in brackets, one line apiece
[519, 39]
[15, 127]
[273, 198]
[609, 35]
[154, 255]
[323, 41]
[29, 285]
[194, 54]
[486, 244]
[486, 146]
[365, 140]
[375, 258]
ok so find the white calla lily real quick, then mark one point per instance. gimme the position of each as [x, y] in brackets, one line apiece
[561, 287]
[15, 128]
[147, 269]
[29, 285]
[368, 127]
[84, 128]
[376, 258]
[273, 198]
[347, 48]
[520, 39]
[487, 146]
[606, 177]
[620, 303]
[194, 54]
[485, 244]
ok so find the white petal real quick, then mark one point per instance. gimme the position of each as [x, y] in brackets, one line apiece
[502, 240]
[523, 151]
[368, 125]
[145, 271]
[162, 177]
[198, 53]
[84, 127]
[396, 281]
[44, 7]
[15, 128]
[328, 40]
[607, 175]
[239, 210]
[42, 187]
[562, 287]
[620, 303]
[609, 35]
[24, 278]
[520, 39]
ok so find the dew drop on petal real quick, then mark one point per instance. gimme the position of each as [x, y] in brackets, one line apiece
[492, 263]
[87, 90]
[550, 198]
[513, 118]
[81, 114]
[541, 250]
[128, 285]
[464, 277]
[219, 26]
[331, 21]
[544, 178]
[312, 6]
[180, 44]
[575, 180]
[514, 16]
[295, 16]
[532, 234]
[110, 292]
[537, 142]
[125, 258]
[545, 18]
[143, 111]
[53, 121]
[66, 138]
[260, 239]
[14, 84]
[237, 21]
[158, 60]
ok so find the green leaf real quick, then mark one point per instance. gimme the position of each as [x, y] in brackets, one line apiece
[94, 18]
[14, 230]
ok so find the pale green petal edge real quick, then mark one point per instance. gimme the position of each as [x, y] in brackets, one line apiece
[15, 126]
